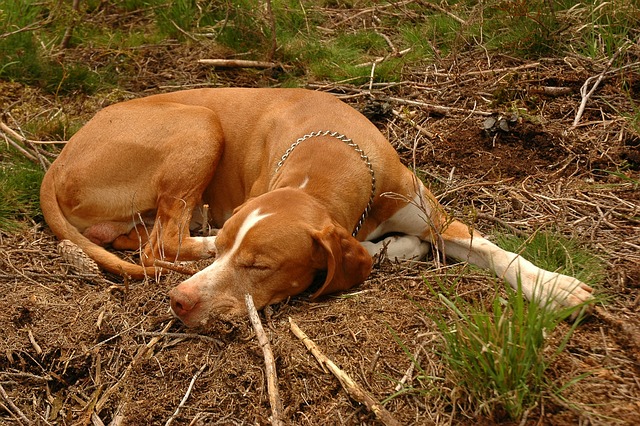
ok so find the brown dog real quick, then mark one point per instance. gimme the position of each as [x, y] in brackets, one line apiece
[294, 197]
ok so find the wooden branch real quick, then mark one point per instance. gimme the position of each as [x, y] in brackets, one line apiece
[353, 389]
[25, 146]
[384, 58]
[237, 63]
[205, 219]
[15, 135]
[14, 408]
[75, 6]
[439, 108]
[487, 71]
[270, 365]
[21, 150]
[553, 91]
[35, 344]
[181, 269]
[443, 10]
[271, 19]
[186, 396]
[587, 94]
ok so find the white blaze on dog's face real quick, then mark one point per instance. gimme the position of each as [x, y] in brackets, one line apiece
[271, 248]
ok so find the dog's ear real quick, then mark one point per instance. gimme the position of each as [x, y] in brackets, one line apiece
[347, 262]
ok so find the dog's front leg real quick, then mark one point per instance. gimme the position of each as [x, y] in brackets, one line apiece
[548, 289]
[170, 238]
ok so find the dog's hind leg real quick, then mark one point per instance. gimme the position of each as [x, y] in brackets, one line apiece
[170, 237]
[136, 238]
[191, 155]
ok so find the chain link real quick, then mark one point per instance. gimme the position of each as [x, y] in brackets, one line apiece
[353, 145]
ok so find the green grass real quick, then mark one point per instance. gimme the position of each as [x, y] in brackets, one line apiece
[26, 55]
[19, 191]
[498, 356]
[521, 28]
[496, 351]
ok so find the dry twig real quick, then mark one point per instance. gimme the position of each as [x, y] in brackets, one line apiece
[237, 63]
[271, 20]
[353, 389]
[181, 269]
[75, 6]
[270, 364]
[587, 94]
[439, 109]
[14, 408]
[186, 396]
[26, 146]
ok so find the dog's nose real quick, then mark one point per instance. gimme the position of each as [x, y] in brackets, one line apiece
[181, 302]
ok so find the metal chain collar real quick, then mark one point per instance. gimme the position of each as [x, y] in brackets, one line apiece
[353, 145]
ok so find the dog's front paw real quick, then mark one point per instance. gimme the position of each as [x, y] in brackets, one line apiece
[399, 247]
[207, 246]
[557, 291]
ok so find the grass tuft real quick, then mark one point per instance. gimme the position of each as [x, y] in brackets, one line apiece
[497, 353]
[19, 191]
[498, 357]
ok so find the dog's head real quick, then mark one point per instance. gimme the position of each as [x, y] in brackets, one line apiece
[273, 247]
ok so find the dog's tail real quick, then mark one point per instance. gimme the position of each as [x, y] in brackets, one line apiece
[64, 230]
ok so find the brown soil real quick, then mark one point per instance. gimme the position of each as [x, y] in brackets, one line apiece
[74, 347]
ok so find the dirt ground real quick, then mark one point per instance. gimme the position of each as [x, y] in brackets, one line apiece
[94, 350]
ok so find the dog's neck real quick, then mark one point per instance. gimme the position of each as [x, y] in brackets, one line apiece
[339, 173]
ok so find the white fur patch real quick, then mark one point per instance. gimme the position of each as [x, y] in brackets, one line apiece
[304, 183]
[221, 263]
[412, 219]
[208, 243]
[249, 222]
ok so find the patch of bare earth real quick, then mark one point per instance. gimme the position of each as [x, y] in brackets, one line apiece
[85, 350]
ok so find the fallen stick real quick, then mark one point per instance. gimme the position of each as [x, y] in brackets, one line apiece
[14, 408]
[186, 396]
[75, 17]
[439, 109]
[488, 71]
[586, 93]
[17, 146]
[26, 146]
[384, 58]
[205, 219]
[237, 63]
[184, 270]
[270, 365]
[35, 344]
[17, 136]
[353, 389]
